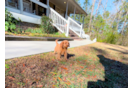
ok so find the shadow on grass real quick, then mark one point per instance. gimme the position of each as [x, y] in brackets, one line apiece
[116, 75]
[119, 51]
[68, 55]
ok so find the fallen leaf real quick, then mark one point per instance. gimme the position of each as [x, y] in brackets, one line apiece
[39, 85]
[68, 83]
[11, 78]
[95, 76]
[73, 74]
[81, 67]
[59, 78]
[64, 79]
[64, 67]
[86, 54]
[66, 71]
[54, 79]
[23, 65]
[84, 70]
[23, 71]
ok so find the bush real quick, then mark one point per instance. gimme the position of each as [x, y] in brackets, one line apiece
[46, 25]
[18, 30]
[10, 21]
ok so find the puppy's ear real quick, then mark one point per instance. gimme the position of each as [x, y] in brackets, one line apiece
[62, 44]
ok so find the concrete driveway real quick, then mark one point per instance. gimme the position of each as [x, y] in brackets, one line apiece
[24, 48]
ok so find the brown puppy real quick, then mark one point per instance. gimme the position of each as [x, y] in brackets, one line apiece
[61, 49]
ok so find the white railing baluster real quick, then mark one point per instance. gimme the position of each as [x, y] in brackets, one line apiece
[58, 21]
[64, 25]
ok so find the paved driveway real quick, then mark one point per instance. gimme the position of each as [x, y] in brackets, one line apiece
[24, 48]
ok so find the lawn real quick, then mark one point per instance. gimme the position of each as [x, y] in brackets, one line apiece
[98, 65]
[62, 35]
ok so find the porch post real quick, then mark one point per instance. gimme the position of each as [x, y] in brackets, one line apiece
[36, 9]
[81, 31]
[66, 10]
[31, 7]
[79, 17]
[47, 11]
[68, 23]
[21, 6]
[6, 2]
[83, 21]
[74, 12]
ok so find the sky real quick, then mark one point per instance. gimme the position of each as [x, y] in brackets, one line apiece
[110, 6]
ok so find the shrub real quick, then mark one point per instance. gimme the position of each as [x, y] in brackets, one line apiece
[46, 25]
[10, 21]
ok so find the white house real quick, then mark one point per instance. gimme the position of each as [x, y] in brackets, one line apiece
[58, 10]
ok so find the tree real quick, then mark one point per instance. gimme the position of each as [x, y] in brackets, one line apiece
[97, 8]
[86, 5]
[91, 16]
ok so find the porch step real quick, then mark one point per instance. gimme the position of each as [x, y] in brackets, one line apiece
[74, 36]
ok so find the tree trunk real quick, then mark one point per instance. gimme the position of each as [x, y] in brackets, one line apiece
[119, 17]
[97, 8]
[104, 8]
[91, 16]
[124, 24]
[118, 20]
[114, 16]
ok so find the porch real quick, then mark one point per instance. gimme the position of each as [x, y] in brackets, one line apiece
[59, 11]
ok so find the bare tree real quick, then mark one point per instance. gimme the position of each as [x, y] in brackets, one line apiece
[120, 12]
[91, 16]
[124, 24]
[118, 20]
[104, 7]
[114, 15]
[97, 8]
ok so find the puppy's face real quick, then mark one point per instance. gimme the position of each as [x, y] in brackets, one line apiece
[65, 44]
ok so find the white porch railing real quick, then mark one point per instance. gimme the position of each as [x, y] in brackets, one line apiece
[75, 27]
[64, 25]
[58, 21]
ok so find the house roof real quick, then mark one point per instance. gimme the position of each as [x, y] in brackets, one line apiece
[71, 6]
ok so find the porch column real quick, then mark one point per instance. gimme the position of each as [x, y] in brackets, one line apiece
[74, 12]
[66, 10]
[79, 17]
[21, 6]
[6, 2]
[36, 9]
[83, 21]
[31, 7]
[47, 11]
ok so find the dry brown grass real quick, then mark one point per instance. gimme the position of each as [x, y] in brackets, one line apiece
[105, 64]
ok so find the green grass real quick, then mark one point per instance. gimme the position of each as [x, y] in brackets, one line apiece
[36, 33]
